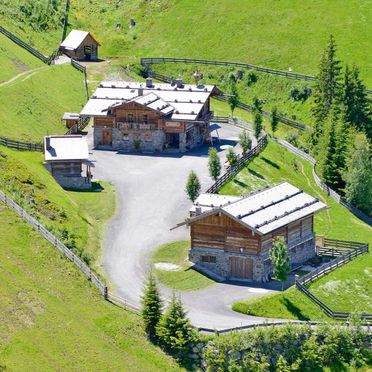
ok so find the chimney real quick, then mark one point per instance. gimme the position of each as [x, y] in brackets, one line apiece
[47, 142]
[179, 82]
[140, 91]
[149, 82]
[198, 211]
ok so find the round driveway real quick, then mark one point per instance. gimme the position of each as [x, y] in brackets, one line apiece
[151, 200]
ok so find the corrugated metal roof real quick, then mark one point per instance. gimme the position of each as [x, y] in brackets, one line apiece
[70, 115]
[74, 39]
[206, 202]
[70, 147]
[269, 209]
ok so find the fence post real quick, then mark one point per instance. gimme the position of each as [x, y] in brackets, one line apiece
[105, 293]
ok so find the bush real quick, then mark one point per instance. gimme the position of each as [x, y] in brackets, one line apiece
[251, 78]
[231, 157]
[292, 138]
[300, 94]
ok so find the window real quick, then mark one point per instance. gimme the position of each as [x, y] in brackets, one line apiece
[209, 259]
[125, 137]
[130, 118]
[145, 119]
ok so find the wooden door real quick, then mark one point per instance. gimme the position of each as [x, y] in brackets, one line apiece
[106, 137]
[241, 268]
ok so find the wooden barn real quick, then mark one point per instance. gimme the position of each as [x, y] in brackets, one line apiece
[80, 45]
[231, 236]
[65, 156]
[150, 116]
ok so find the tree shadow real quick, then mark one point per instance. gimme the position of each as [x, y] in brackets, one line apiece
[270, 162]
[256, 174]
[240, 183]
[293, 309]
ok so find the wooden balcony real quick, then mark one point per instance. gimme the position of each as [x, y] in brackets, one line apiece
[136, 126]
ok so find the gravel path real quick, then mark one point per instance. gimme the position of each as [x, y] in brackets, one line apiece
[151, 200]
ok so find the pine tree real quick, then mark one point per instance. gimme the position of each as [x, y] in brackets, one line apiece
[327, 88]
[174, 330]
[245, 141]
[151, 306]
[257, 124]
[193, 186]
[274, 121]
[214, 163]
[280, 259]
[233, 98]
[358, 176]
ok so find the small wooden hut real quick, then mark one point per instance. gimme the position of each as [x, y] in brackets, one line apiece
[71, 120]
[80, 45]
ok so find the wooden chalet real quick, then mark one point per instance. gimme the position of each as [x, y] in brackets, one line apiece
[80, 45]
[151, 117]
[65, 156]
[231, 236]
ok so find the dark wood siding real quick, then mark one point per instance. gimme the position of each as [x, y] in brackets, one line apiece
[241, 267]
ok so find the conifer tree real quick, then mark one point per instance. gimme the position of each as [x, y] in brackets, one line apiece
[174, 330]
[233, 98]
[257, 124]
[214, 163]
[245, 141]
[151, 306]
[280, 259]
[193, 186]
[231, 156]
[274, 121]
[329, 167]
[327, 88]
[358, 176]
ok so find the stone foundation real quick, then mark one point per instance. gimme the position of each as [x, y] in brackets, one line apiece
[79, 183]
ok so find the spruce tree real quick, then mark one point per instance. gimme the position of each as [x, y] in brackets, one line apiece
[257, 124]
[214, 163]
[245, 141]
[193, 186]
[151, 306]
[358, 176]
[274, 121]
[327, 88]
[280, 259]
[233, 98]
[174, 330]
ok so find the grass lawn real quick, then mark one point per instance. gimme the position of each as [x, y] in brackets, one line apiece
[15, 60]
[184, 279]
[353, 281]
[32, 106]
[52, 318]
[76, 217]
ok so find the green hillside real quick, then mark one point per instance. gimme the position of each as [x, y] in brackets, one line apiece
[77, 218]
[53, 319]
[38, 102]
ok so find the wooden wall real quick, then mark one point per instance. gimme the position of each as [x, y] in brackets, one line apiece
[103, 122]
[138, 111]
[222, 232]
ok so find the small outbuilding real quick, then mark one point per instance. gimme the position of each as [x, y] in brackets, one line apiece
[80, 45]
[231, 236]
[65, 156]
[71, 120]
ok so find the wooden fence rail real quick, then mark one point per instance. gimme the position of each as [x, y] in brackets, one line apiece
[82, 69]
[333, 194]
[287, 74]
[21, 145]
[241, 105]
[350, 250]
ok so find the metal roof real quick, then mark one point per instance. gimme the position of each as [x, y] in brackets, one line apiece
[69, 147]
[269, 209]
[70, 116]
[74, 39]
[186, 102]
[206, 202]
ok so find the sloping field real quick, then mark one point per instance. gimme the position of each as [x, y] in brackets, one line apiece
[51, 318]
[32, 106]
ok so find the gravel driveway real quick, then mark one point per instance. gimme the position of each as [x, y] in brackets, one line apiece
[152, 199]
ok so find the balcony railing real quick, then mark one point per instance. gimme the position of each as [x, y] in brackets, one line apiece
[136, 126]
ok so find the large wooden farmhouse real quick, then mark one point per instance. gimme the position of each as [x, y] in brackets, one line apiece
[231, 236]
[64, 157]
[150, 117]
[80, 45]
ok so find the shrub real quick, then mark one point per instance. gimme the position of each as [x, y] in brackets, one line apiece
[300, 94]
[245, 141]
[292, 138]
[231, 157]
[251, 78]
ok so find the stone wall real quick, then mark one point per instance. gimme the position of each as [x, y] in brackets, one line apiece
[79, 183]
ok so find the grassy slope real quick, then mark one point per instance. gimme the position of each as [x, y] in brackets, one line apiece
[15, 60]
[274, 165]
[83, 214]
[185, 279]
[39, 101]
[51, 318]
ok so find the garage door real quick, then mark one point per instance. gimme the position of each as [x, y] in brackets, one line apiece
[241, 268]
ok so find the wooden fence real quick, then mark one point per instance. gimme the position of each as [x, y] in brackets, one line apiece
[333, 194]
[351, 251]
[82, 69]
[231, 172]
[287, 74]
[21, 145]
[241, 105]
